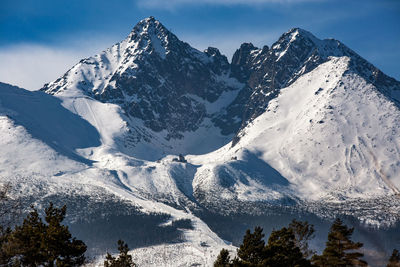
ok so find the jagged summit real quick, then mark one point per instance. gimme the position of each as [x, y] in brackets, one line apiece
[293, 33]
[149, 20]
[149, 24]
[150, 35]
[301, 40]
[242, 59]
[213, 51]
[321, 50]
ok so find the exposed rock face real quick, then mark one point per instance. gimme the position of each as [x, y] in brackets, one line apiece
[155, 77]
[243, 61]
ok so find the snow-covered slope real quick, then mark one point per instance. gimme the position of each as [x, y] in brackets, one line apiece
[339, 140]
[35, 126]
[45, 151]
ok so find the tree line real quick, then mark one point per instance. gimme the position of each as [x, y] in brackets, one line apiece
[49, 243]
[289, 247]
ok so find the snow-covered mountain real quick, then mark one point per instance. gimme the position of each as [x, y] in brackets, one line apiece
[329, 135]
[169, 86]
[296, 52]
[305, 128]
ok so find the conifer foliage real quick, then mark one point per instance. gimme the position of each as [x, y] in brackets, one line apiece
[123, 260]
[289, 247]
[282, 248]
[340, 250]
[223, 259]
[251, 251]
[38, 243]
[303, 232]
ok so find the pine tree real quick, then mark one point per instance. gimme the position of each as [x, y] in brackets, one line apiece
[394, 260]
[223, 259]
[25, 243]
[58, 242]
[303, 233]
[4, 230]
[340, 250]
[251, 251]
[35, 243]
[282, 250]
[123, 260]
[5, 258]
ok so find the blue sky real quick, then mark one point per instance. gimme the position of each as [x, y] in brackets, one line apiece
[41, 39]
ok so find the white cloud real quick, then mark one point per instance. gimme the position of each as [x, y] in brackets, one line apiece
[171, 4]
[30, 66]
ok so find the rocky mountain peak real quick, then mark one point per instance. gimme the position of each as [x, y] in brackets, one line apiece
[147, 25]
[220, 63]
[300, 42]
[212, 51]
[242, 61]
[296, 42]
[242, 55]
[299, 33]
[303, 44]
[156, 78]
[296, 53]
[150, 35]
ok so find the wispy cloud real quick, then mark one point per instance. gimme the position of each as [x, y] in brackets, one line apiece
[172, 4]
[30, 66]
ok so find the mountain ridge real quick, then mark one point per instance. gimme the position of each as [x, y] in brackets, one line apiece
[268, 70]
